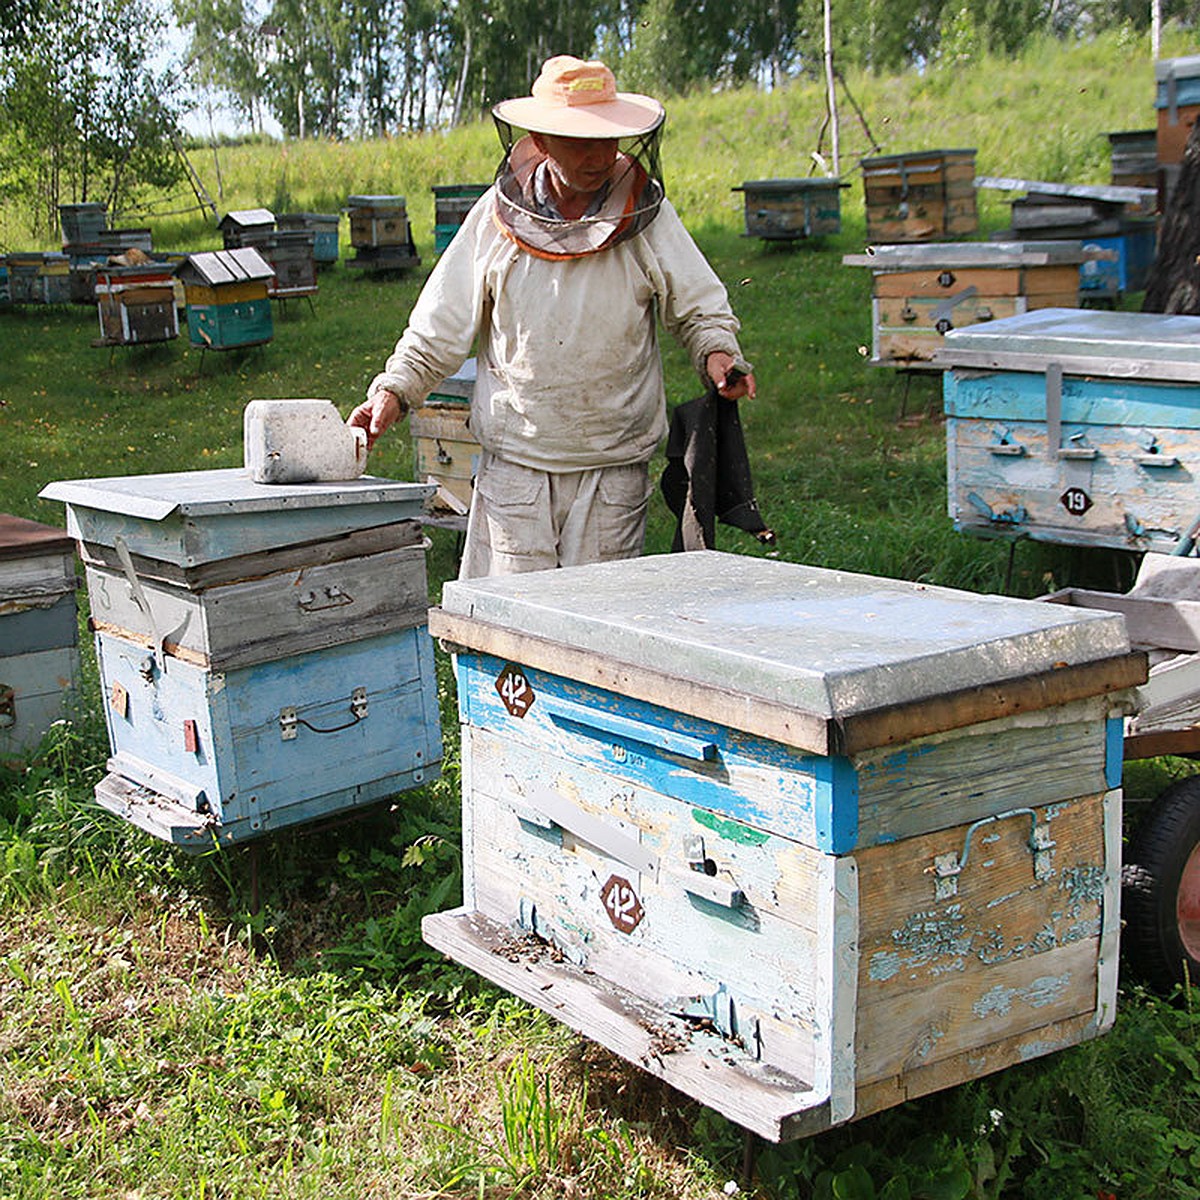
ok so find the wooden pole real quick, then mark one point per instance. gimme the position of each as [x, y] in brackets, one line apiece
[831, 89]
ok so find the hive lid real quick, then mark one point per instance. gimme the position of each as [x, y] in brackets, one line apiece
[893, 160]
[734, 636]
[788, 186]
[964, 255]
[20, 537]
[1177, 68]
[1095, 342]
[218, 267]
[369, 201]
[191, 518]
[200, 494]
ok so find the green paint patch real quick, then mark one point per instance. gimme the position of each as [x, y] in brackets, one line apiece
[731, 831]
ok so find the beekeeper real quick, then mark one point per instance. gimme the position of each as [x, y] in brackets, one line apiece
[556, 277]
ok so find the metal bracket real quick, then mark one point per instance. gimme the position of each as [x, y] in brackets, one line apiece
[948, 867]
[1014, 516]
[289, 723]
[8, 707]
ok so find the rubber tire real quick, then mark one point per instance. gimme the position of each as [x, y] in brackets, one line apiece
[1165, 845]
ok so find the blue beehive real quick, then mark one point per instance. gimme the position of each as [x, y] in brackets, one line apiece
[803, 843]
[1075, 426]
[262, 648]
[1123, 261]
[323, 227]
[39, 633]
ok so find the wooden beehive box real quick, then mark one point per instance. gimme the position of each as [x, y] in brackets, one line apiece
[81, 222]
[921, 196]
[1177, 99]
[381, 233]
[262, 648]
[920, 293]
[323, 227]
[136, 304]
[246, 227]
[227, 301]
[39, 633]
[1133, 158]
[444, 450]
[290, 255]
[1075, 426]
[789, 209]
[804, 844]
[39, 277]
[451, 203]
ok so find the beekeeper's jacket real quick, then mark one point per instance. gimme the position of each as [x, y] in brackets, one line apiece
[568, 369]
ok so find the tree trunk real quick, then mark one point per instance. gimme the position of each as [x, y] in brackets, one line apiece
[1174, 283]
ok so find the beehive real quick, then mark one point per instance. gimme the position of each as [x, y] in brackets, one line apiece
[290, 254]
[39, 277]
[1133, 158]
[1075, 426]
[804, 844]
[444, 449]
[227, 301]
[323, 227]
[246, 227]
[451, 203]
[81, 222]
[381, 233]
[39, 633]
[921, 293]
[262, 648]
[136, 304]
[920, 196]
[789, 209]
[1177, 99]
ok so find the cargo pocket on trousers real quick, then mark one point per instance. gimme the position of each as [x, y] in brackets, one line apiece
[515, 503]
[624, 494]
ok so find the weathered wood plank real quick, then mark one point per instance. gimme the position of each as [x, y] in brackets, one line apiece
[1027, 760]
[707, 1068]
[959, 1068]
[1010, 950]
[357, 543]
[270, 616]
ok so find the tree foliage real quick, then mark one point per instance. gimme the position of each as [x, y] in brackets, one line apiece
[86, 116]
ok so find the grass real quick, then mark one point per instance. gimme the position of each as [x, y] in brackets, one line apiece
[158, 1038]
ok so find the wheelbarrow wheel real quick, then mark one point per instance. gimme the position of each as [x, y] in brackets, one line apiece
[1160, 894]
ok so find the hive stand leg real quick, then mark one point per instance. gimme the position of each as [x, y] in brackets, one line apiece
[1008, 570]
[255, 897]
[907, 377]
[750, 1144]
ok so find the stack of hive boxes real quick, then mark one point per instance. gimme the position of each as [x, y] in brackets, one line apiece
[920, 196]
[444, 451]
[262, 648]
[381, 234]
[39, 633]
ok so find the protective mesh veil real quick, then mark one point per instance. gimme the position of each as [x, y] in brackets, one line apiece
[624, 207]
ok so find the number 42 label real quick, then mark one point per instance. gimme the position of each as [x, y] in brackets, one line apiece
[515, 690]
